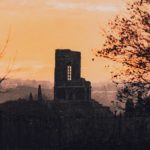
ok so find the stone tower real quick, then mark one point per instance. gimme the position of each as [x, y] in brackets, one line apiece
[68, 82]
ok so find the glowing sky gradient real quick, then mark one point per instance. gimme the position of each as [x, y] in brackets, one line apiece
[38, 27]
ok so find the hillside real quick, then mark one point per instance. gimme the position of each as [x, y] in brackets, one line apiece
[31, 125]
[52, 125]
[103, 93]
[23, 92]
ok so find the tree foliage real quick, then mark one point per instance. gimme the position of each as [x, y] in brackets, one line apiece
[129, 108]
[127, 41]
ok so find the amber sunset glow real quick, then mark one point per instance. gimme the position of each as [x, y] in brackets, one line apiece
[38, 27]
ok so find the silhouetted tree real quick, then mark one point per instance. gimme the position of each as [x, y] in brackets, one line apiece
[9, 67]
[129, 108]
[128, 43]
[2, 52]
[147, 105]
[30, 97]
[40, 97]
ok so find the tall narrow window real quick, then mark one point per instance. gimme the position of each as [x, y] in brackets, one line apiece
[69, 73]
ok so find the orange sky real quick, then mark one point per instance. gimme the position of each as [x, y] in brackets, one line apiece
[38, 27]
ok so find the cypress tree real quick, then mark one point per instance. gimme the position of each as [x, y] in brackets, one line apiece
[30, 97]
[129, 108]
[40, 97]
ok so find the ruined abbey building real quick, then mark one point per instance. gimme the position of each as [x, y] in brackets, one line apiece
[68, 82]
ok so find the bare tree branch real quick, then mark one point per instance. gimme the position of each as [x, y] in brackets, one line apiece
[127, 42]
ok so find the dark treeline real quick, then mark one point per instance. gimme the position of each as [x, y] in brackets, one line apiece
[141, 108]
[33, 125]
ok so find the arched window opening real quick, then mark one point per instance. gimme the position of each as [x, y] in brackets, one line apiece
[69, 72]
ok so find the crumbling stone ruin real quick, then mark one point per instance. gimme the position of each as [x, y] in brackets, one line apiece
[68, 82]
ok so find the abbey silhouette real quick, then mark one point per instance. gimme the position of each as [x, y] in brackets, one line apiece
[68, 82]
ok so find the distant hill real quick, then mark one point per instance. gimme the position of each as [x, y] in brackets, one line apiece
[13, 83]
[103, 93]
[104, 86]
[23, 92]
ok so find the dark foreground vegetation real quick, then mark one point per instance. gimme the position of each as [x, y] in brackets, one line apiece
[33, 125]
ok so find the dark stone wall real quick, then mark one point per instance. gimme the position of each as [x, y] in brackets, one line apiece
[75, 89]
[63, 58]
